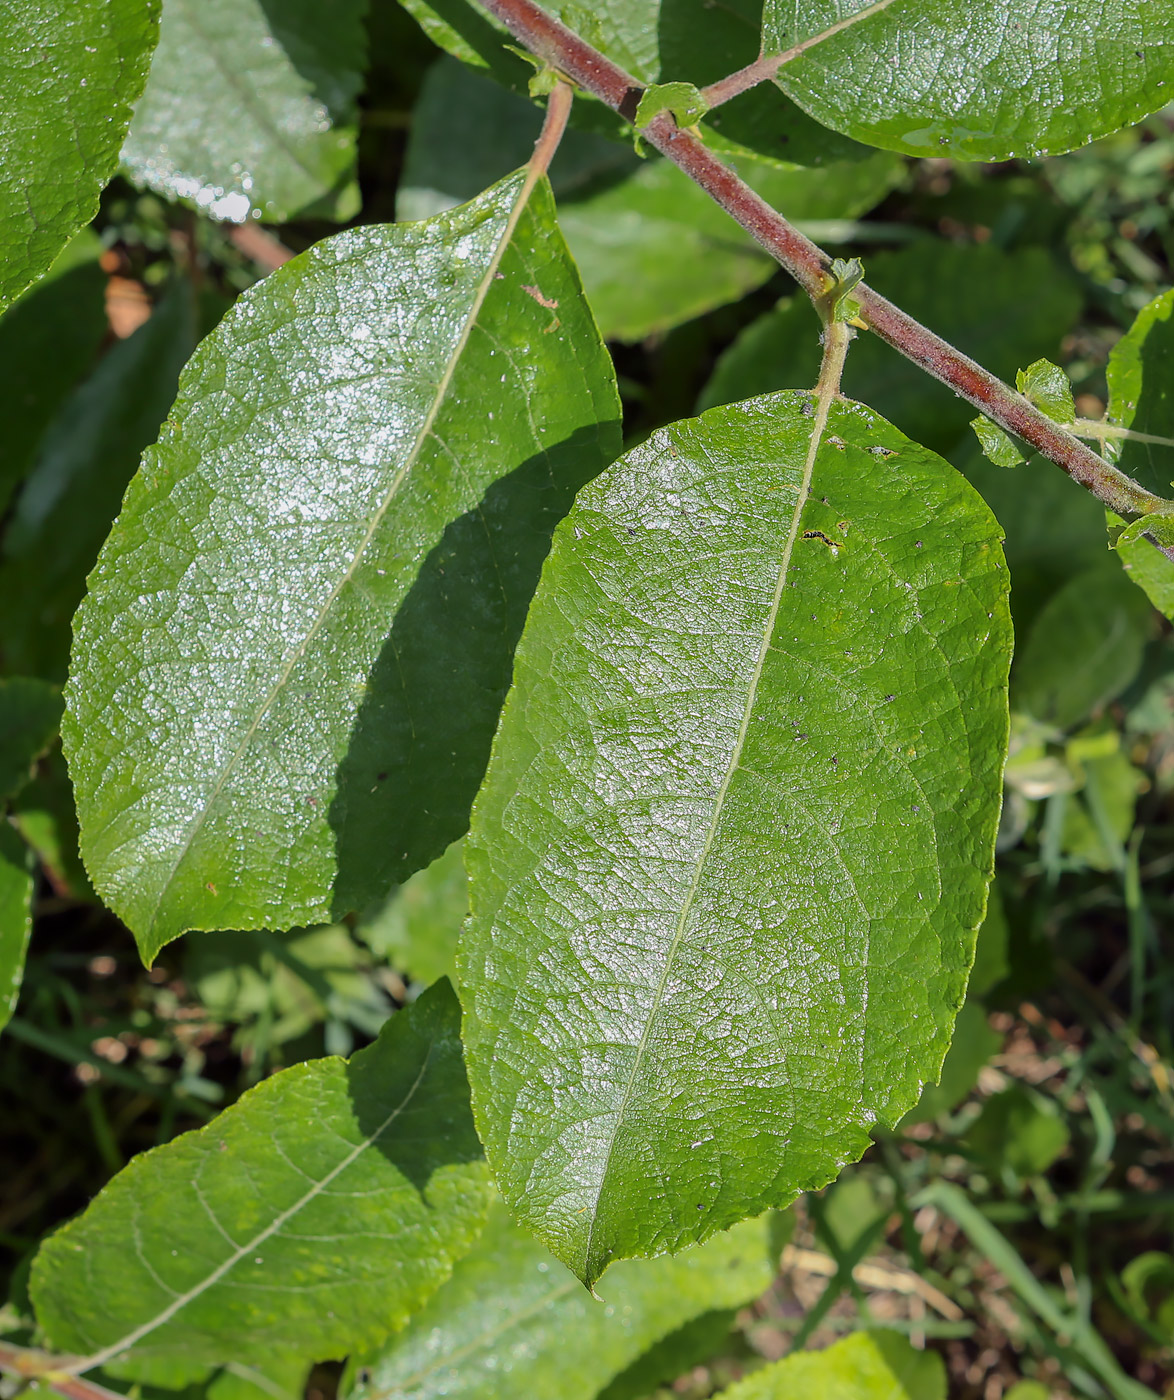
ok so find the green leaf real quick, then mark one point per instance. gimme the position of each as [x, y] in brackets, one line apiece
[731, 852]
[16, 916]
[513, 1324]
[1141, 398]
[652, 248]
[876, 1365]
[310, 1218]
[44, 814]
[1083, 649]
[972, 296]
[83, 464]
[681, 99]
[48, 340]
[30, 712]
[983, 81]
[417, 927]
[998, 446]
[348, 511]
[250, 110]
[69, 79]
[1048, 387]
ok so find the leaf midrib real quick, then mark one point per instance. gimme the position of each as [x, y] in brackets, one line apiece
[526, 189]
[711, 833]
[226, 1266]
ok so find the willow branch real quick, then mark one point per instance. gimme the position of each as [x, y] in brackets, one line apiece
[565, 51]
[31, 1365]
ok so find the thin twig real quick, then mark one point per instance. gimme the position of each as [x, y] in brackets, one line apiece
[558, 111]
[767, 65]
[566, 52]
[39, 1366]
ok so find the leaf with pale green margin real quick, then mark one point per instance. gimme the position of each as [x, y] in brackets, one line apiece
[1049, 388]
[512, 1323]
[1083, 649]
[290, 664]
[49, 338]
[30, 712]
[652, 248]
[16, 916]
[251, 108]
[1141, 398]
[873, 1365]
[85, 459]
[981, 81]
[67, 84]
[690, 40]
[417, 927]
[734, 843]
[310, 1218]
[974, 1040]
[974, 297]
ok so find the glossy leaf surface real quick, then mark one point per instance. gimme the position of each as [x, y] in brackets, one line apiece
[1141, 398]
[982, 81]
[250, 110]
[290, 664]
[69, 78]
[730, 855]
[355, 1184]
[16, 916]
[512, 1323]
[877, 1365]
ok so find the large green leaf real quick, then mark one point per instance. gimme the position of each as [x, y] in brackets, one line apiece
[310, 1218]
[653, 249]
[1005, 309]
[865, 1366]
[16, 919]
[250, 110]
[67, 84]
[291, 661]
[84, 461]
[731, 852]
[979, 81]
[1141, 398]
[48, 340]
[513, 1324]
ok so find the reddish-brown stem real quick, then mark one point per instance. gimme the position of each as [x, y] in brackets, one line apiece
[31, 1365]
[569, 54]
